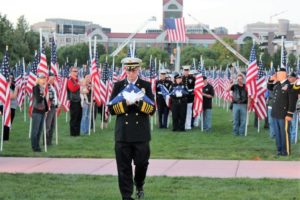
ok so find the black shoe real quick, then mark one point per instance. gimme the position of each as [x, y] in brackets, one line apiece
[140, 193]
[37, 150]
[278, 153]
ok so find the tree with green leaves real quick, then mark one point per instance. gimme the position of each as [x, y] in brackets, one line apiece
[225, 56]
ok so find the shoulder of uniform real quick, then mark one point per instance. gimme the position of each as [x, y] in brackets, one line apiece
[143, 82]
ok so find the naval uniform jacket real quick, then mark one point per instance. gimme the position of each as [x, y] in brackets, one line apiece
[284, 99]
[132, 122]
[159, 97]
[189, 83]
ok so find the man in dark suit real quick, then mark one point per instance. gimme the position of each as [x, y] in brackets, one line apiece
[132, 129]
[163, 109]
[283, 107]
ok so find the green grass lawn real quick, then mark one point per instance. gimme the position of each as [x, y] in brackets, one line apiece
[165, 144]
[219, 144]
[77, 187]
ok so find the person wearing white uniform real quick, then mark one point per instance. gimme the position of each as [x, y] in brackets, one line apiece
[188, 81]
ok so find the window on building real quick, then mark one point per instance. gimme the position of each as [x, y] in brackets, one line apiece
[172, 7]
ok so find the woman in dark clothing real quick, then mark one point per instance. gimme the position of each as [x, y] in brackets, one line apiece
[40, 107]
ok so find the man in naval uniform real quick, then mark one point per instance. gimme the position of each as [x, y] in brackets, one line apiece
[283, 107]
[132, 131]
[163, 109]
[188, 81]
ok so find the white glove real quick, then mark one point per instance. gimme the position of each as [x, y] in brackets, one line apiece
[298, 82]
[178, 94]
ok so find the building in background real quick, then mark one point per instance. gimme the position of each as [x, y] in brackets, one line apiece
[270, 35]
[71, 32]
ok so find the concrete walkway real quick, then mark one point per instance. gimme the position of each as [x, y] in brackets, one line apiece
[200, 168]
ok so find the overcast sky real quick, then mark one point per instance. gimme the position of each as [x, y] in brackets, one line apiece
[128, 15]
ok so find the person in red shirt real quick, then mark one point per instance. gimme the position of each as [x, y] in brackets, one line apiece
[75, 102]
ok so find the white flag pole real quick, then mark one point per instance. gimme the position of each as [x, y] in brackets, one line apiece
[56, 129]
[202, 119]
[94, 104]
[258, 124]
[297, 121]
[23, 78]
[30, 127]
[247, 121]
[45, 134]
[1, 148]
[91, 101]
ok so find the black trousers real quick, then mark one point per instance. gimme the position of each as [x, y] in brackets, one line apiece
[139, 152]
[75, 118]
[6, 128]
[179, 115]
[163, 113]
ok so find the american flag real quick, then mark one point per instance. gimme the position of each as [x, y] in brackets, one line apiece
[152, 76]
[284, 63]
[226, 82]
[252, 73]
[130, 88]
[175, 28]
[42, 67]
[109, 91]
[31, 81]
[20, 82]
[103, 83]
[198, 100]
[95, 82]
[54, 68]
[260, 104]
[63, 96]
[5, 89]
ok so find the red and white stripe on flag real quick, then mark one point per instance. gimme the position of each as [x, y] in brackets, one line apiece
[42, 67]
[252, 73]
[103, 88]
[95, 83]
[6, 108]
[63, 97]
[31, 81]
[5, 99]
[177, 34]
[109, 91]
[260, 104]
[198, 100]
[3, 86]
[54, 69]
[123, 74]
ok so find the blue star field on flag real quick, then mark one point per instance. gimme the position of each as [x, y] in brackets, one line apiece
[5, 66]
[53, 52]
[261, 70]
[132, 89]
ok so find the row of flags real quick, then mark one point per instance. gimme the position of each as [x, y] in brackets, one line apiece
[103, 79]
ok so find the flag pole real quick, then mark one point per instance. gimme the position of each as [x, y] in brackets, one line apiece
[45, 134]
[258, 124]
[297, 118]
[56, 129]
[30, 127]
[94, 104]
[24, 102]
[152, 83]
[202, 119]
[1, 148]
